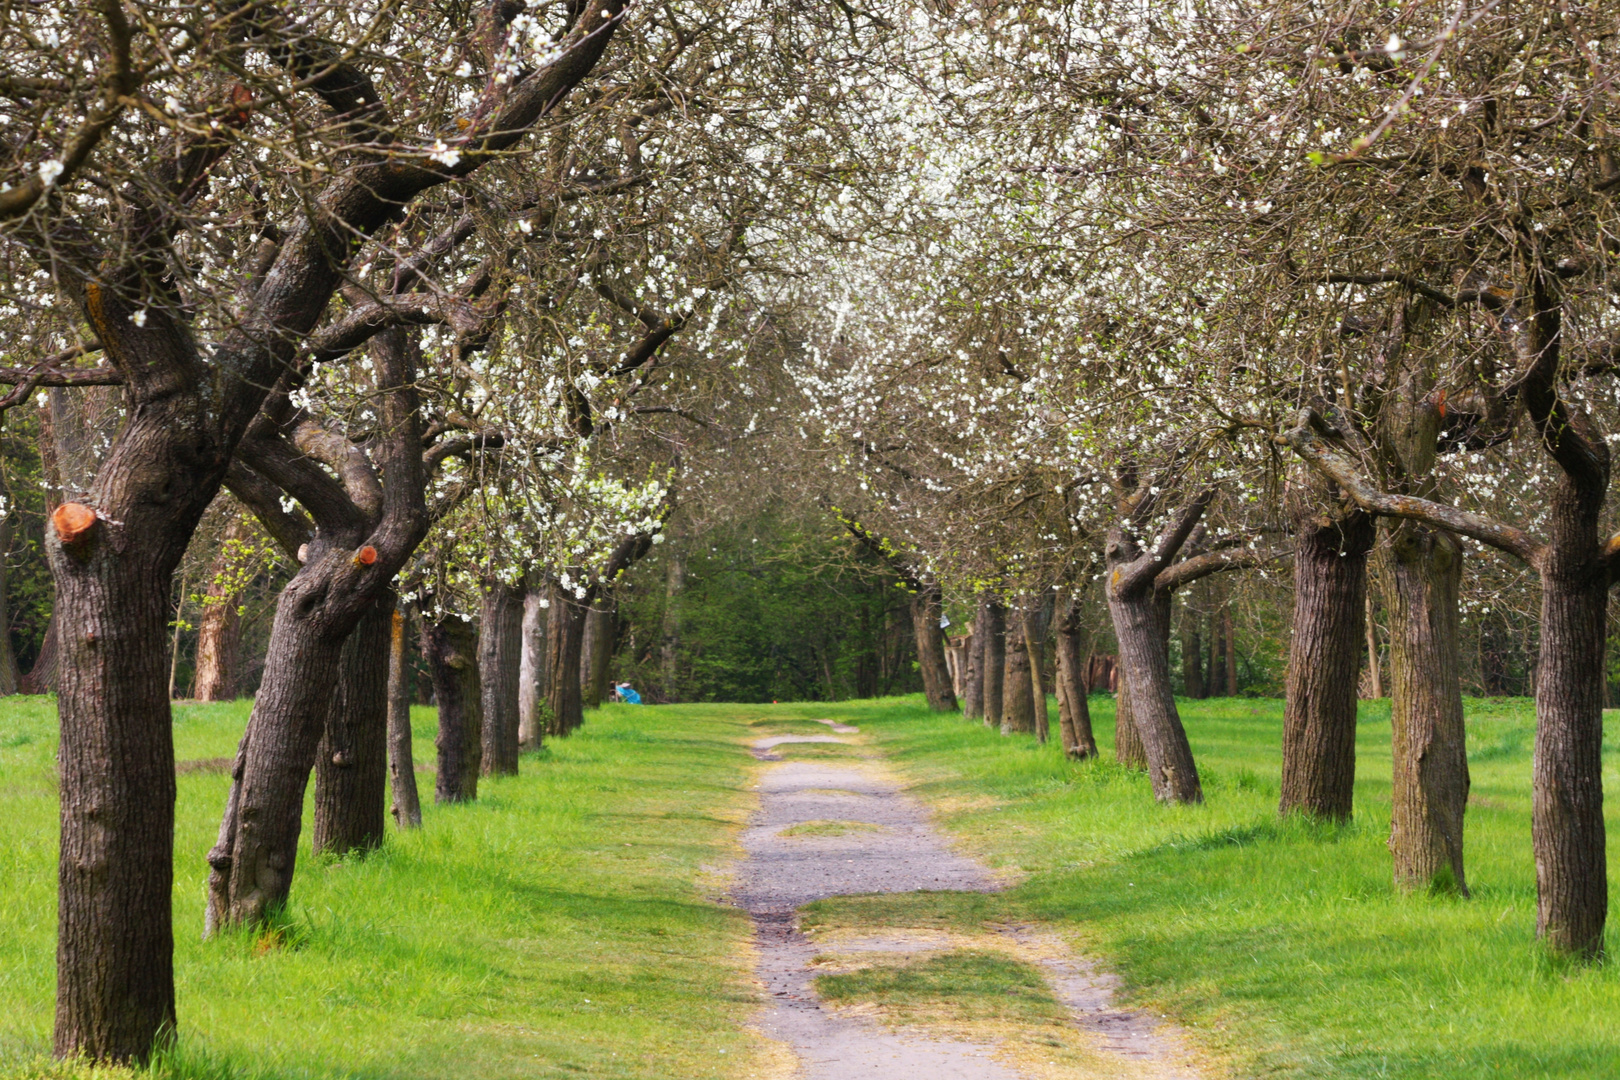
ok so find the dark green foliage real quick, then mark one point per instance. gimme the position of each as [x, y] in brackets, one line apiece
[774, 609]
[28, 577]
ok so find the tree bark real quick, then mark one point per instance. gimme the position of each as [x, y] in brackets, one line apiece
[596, 653]
[1319, 719]
[407, 809]
[450, 647]
[10, 676]
[351, 765]
[564, 637]
[500, 648]
[1229, 645]
[532, 669]
[1074, 710]
[1141, 616]
[1035, 625]
[973, 694]
[926, 610]
[1374, 667]
[1422, 577]
[219, 634]
[1017, 687]
[993, 618]
[366, 532]
[1567, 827]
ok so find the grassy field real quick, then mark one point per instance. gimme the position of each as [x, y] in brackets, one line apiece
[564, 925]
[1281, 945]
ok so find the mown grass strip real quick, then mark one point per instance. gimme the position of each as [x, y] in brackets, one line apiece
[1281, 944]
[563, 925]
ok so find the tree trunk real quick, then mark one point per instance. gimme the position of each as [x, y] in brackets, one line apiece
[1017, 688]
[1324, 660]
[1422, 577]
[401, 765]
[993, 619]
[669, 638]
[532, 669]
[1374, 667]
[973, 693]
[220, 632]
[450, 647]
[10, 676]
[564, 636]
[1567, 827]
[115, 939]
[351, 766]
[258, 848]
[1141, 619]
[1074, 710]
[596, 654]
[500, 648]
[926, 610]
[1035, 625]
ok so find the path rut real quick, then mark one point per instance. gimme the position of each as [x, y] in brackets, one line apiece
[905, 854]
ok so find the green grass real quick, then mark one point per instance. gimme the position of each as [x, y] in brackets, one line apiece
[1280, 944]
[560, 926]
[830, 828]
[959, 985]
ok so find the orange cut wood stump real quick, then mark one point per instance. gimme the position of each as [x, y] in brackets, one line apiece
[71, 521]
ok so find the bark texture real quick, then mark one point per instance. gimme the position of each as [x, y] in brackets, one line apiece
[351, 766]
[1074, 709]
[1036, 623]
[407, 808]
[1017, 688]
[596, 654]
[10, 676]
[973, 692]
[994, 660]
[1567, 828]
[450, 647]
[500, 648]
[564, 638]
[1330, 593]
[532, 669]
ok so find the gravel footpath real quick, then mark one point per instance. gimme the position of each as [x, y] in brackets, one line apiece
[906, 854]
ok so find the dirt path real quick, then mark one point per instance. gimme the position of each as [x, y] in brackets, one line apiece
[903, 853]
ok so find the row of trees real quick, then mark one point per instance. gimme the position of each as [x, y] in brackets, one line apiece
[468, 305]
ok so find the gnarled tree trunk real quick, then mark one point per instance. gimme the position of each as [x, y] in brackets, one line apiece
[1141, 615]
[1319, 720]
[450, 647]
[351, 765]
[500, 648]
[407, 809]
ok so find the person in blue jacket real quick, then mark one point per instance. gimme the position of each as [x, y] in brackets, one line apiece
[627, 693]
